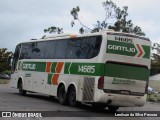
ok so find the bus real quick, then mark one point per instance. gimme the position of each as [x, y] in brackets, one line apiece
[105, 69]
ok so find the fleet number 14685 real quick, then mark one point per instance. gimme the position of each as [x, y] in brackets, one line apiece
[86, 69]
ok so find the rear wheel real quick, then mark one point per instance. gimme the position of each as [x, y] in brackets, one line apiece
[113, 108]
[21, 91]
[99, 106]
[72, 97]
[62, 96]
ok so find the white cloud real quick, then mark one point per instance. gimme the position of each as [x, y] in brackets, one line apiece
[148, 26]
[21, 20]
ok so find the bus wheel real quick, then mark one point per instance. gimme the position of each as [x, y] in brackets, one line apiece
[98, 106]
[72, 97]
[62, 96]
[21, 91]
[113, 108]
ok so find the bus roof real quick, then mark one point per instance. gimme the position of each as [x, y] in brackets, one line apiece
[62, 36]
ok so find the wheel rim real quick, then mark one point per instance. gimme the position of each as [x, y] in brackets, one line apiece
[62, 95]
[72, 97]
[20, 88]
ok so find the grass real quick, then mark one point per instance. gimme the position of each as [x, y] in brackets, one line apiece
[4, 81]
[153, 97]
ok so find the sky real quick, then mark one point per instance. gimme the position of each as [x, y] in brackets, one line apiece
[22, 20]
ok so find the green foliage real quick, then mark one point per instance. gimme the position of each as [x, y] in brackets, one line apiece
[155, 63]
[53, 29]
[113, 13]
[4, 57]
[8, 72]
[74, 13]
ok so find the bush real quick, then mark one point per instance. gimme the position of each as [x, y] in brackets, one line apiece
[8, 72]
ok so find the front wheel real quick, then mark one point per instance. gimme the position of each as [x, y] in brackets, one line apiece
[72, 97]
[113, 108]
[21, 91]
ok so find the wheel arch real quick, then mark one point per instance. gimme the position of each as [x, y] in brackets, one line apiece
[59, 85]
[20, 79]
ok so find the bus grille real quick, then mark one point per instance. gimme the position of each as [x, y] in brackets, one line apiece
[88, 91]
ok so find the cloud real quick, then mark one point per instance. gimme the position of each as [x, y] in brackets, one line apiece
[148, 26]
[24, 20]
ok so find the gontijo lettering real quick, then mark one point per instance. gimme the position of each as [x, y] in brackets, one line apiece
[29, 66]
[121, 48]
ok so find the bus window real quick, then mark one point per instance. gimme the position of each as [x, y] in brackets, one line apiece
[50, 49]
[75, 51]
[25, 51]
[16, 57]
[61, 48]
[37, 50]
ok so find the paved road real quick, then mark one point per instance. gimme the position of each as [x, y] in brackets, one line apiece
[10, 100]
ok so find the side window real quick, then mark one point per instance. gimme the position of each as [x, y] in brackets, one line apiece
[74, 50]
[37, 50]
[61, 48]
[84, 48]
[91, 45]
[50, 49]
[16, 57]
[25, 51]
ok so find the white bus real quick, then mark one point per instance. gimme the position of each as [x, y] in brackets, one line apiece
[105, 69]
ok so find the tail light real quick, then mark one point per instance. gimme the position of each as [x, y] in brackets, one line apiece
[101, 82]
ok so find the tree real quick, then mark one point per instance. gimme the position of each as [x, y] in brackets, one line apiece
[54, 29]
[155, 62]
[4, 57]
[113, 13]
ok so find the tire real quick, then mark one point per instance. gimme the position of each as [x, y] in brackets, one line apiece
[72, 97]
[21, 91]
[97, 106]
[113, 108]
[62, 96]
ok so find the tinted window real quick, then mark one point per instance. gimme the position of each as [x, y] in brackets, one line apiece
[91, 45]
[25, 51]
[16, 57]
[37, 50]
[75, 50]
[61, 48]
[50, 49]
[83, 48]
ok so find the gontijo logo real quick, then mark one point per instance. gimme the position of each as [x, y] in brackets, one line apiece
[29, 66]
[128, 49]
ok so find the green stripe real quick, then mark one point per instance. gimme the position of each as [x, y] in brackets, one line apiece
[93, 69]
[128, 72]
[128, 49]
[34, 66]
[147, 51]
[66, 68]
[53, 67]
[121, 48]
[50, 79]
